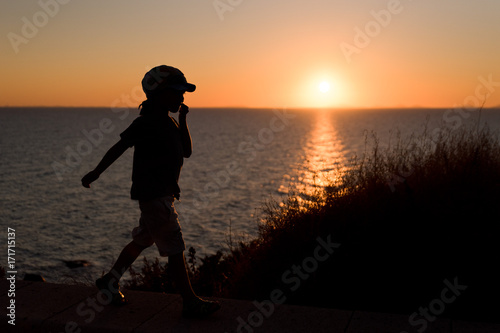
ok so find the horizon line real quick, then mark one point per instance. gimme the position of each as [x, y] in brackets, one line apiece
[262, 107]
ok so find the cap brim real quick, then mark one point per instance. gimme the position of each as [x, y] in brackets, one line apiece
[183, 86]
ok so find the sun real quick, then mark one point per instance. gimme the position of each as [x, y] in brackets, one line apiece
[324, 87]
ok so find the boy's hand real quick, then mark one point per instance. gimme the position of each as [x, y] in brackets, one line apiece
[89, 178]
[183, 110]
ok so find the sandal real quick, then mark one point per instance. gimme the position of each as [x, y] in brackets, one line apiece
[117, 298]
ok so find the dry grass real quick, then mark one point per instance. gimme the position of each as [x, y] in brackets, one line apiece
[407, 216]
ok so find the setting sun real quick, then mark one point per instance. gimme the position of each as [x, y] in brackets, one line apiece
[324, 87]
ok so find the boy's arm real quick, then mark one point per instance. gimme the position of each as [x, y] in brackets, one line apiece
[187, 145]
[113, 153]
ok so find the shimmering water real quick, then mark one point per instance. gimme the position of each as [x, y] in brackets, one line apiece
[241, 158]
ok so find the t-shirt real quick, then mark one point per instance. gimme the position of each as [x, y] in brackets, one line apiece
[158, 156]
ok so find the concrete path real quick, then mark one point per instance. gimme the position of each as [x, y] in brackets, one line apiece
[47, 307]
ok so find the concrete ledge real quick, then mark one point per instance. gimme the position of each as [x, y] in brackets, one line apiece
[47, 307]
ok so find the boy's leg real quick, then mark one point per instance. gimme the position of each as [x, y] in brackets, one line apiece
[109, 282]
[177, 263]
[193, 306]
[126, 258]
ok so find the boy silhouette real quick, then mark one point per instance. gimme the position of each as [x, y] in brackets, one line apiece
[160, 145]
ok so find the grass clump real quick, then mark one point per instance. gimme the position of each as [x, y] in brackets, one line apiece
[208, 279]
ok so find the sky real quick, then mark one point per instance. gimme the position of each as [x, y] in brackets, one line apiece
[259, 53]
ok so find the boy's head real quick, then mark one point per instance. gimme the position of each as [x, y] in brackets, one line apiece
[166, 85]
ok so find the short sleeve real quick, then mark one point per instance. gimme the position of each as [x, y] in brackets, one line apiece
[134, 132]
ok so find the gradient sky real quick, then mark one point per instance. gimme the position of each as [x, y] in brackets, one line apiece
[253, 53]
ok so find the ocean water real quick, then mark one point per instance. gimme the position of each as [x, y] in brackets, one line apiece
[241, 159]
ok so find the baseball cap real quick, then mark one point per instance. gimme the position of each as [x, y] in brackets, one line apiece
[161, 77]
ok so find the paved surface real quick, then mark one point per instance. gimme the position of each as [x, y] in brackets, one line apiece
[47, 307]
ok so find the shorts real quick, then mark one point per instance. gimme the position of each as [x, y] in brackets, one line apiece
[159, 224]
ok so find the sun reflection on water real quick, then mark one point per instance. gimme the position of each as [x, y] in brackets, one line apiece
[321, 161]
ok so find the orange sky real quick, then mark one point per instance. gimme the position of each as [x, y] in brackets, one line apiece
[256, 53]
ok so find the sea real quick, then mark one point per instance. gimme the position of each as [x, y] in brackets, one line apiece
[243, 159]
